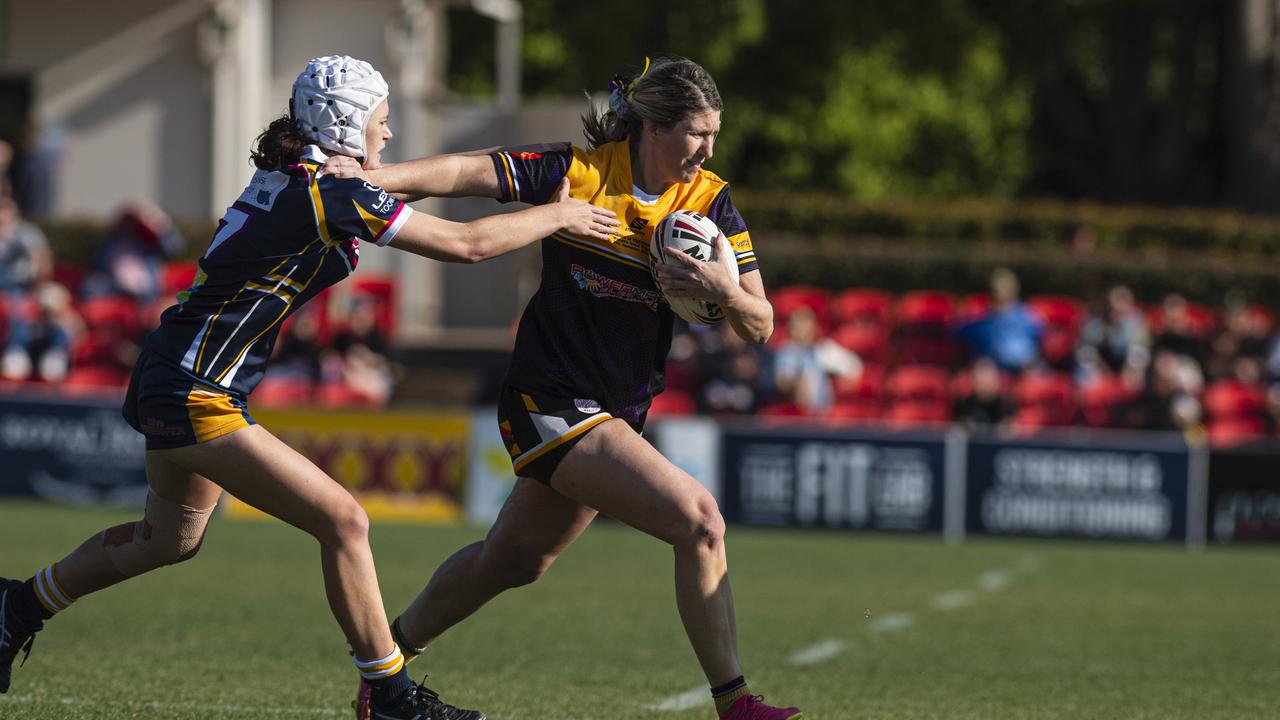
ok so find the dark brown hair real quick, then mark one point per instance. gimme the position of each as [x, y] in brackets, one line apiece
[671, 90]
[279, 145]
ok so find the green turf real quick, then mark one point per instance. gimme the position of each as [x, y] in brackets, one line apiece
[1080, 630]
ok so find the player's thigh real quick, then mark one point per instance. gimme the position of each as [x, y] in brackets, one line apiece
[617, 472]
[537, 522]
[261, 470]
[176, 483]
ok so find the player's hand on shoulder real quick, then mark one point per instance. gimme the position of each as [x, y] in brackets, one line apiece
[341, 166]
[584, 219]
[686, 277]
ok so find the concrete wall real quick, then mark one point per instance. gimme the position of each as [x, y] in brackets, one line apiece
[127, 89]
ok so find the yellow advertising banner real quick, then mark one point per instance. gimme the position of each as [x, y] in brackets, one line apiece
[399, 465]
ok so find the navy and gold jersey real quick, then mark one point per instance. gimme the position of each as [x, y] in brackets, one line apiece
[599, 327]
[290, 234]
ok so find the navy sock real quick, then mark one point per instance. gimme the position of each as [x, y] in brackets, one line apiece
[26, 607]
[387, 689]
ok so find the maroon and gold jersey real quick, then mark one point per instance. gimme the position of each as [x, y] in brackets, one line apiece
[599, 327]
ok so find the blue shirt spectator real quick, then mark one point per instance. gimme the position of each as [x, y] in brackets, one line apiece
[1009, 334]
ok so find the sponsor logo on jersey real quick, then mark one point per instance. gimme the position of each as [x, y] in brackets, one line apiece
[603, 286]
[526, 155]
[586, 406]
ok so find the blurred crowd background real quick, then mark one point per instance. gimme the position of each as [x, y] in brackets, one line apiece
[998, 213]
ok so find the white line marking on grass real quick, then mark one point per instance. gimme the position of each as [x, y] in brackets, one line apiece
[993, 580]
[169, 708]
[1027, 564]
[684, 701]
[891, 622]
[952, 600]
[818, 652]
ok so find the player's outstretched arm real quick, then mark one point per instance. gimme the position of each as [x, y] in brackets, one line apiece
[489, 237]
[743, 302]
[466, 174]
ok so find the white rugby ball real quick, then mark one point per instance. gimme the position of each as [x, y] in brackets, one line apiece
[693, 234]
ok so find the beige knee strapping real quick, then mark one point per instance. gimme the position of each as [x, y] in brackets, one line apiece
[167, 533]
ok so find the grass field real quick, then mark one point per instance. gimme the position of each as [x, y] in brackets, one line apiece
[846, 626]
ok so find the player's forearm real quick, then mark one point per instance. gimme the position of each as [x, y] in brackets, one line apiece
[497, 235]
[750, 315]
[439, 176]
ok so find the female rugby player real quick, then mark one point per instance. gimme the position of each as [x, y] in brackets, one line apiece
[293, 232]
[589, 357]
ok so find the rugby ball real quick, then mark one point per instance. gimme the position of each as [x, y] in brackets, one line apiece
[693, 234]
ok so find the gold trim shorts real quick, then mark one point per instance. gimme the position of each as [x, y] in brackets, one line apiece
[174, 408]
[538, 431]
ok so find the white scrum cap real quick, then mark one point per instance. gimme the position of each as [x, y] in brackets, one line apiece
[332, 101]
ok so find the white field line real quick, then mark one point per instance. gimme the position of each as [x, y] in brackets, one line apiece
[891, 622]
[818, 652]
[952, 600]
[993, 580]
[685, 700]
[824, 650]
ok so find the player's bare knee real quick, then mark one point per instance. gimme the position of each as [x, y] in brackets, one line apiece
[349, 523]
[168, 533]
[705, 522]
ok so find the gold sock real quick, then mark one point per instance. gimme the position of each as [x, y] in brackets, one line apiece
[728, 697]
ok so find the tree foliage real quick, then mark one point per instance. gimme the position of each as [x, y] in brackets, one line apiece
[1155, 101]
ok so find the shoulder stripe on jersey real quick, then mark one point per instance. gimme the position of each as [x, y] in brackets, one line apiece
[317, 203]
[272, 324]
[601, 251]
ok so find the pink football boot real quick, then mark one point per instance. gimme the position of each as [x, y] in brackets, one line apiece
[752, 707]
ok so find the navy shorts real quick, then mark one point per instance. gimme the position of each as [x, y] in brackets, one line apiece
[174, 408]
[538, 431]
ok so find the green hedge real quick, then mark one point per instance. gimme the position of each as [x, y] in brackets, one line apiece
[1025, 222]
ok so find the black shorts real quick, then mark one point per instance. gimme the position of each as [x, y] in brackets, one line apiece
[174, 408]
[538, 431]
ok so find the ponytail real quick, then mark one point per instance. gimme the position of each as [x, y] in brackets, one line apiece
[279, 145]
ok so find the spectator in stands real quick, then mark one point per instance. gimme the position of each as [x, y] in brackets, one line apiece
[1170, 399]
[1119, 336]
[25, 259]
[6, 161]
[42, 343]
[31, 172]
[299, 356]
[1008, 333]
[806, 362]
[1179, 334]
[131, 258]
[987, 404]
[1243, 337]
[364, 350]
[737, 377]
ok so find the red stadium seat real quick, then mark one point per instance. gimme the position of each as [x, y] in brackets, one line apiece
[862, 305]
[1234, 431]
[973, 306]
[383, 289]
[178, 275]
[1057, 311]
[673, 402]
[870, 342]
[844, 411]
[110, 316]
[866, 387]
[917, 412]
[96, 376]
[342, 396]
[918, 383]
[282, 393]
[1231, 398]
[1103, 401]
[68, 276]
[1051, 393]
[925, 307]
[788, 299]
